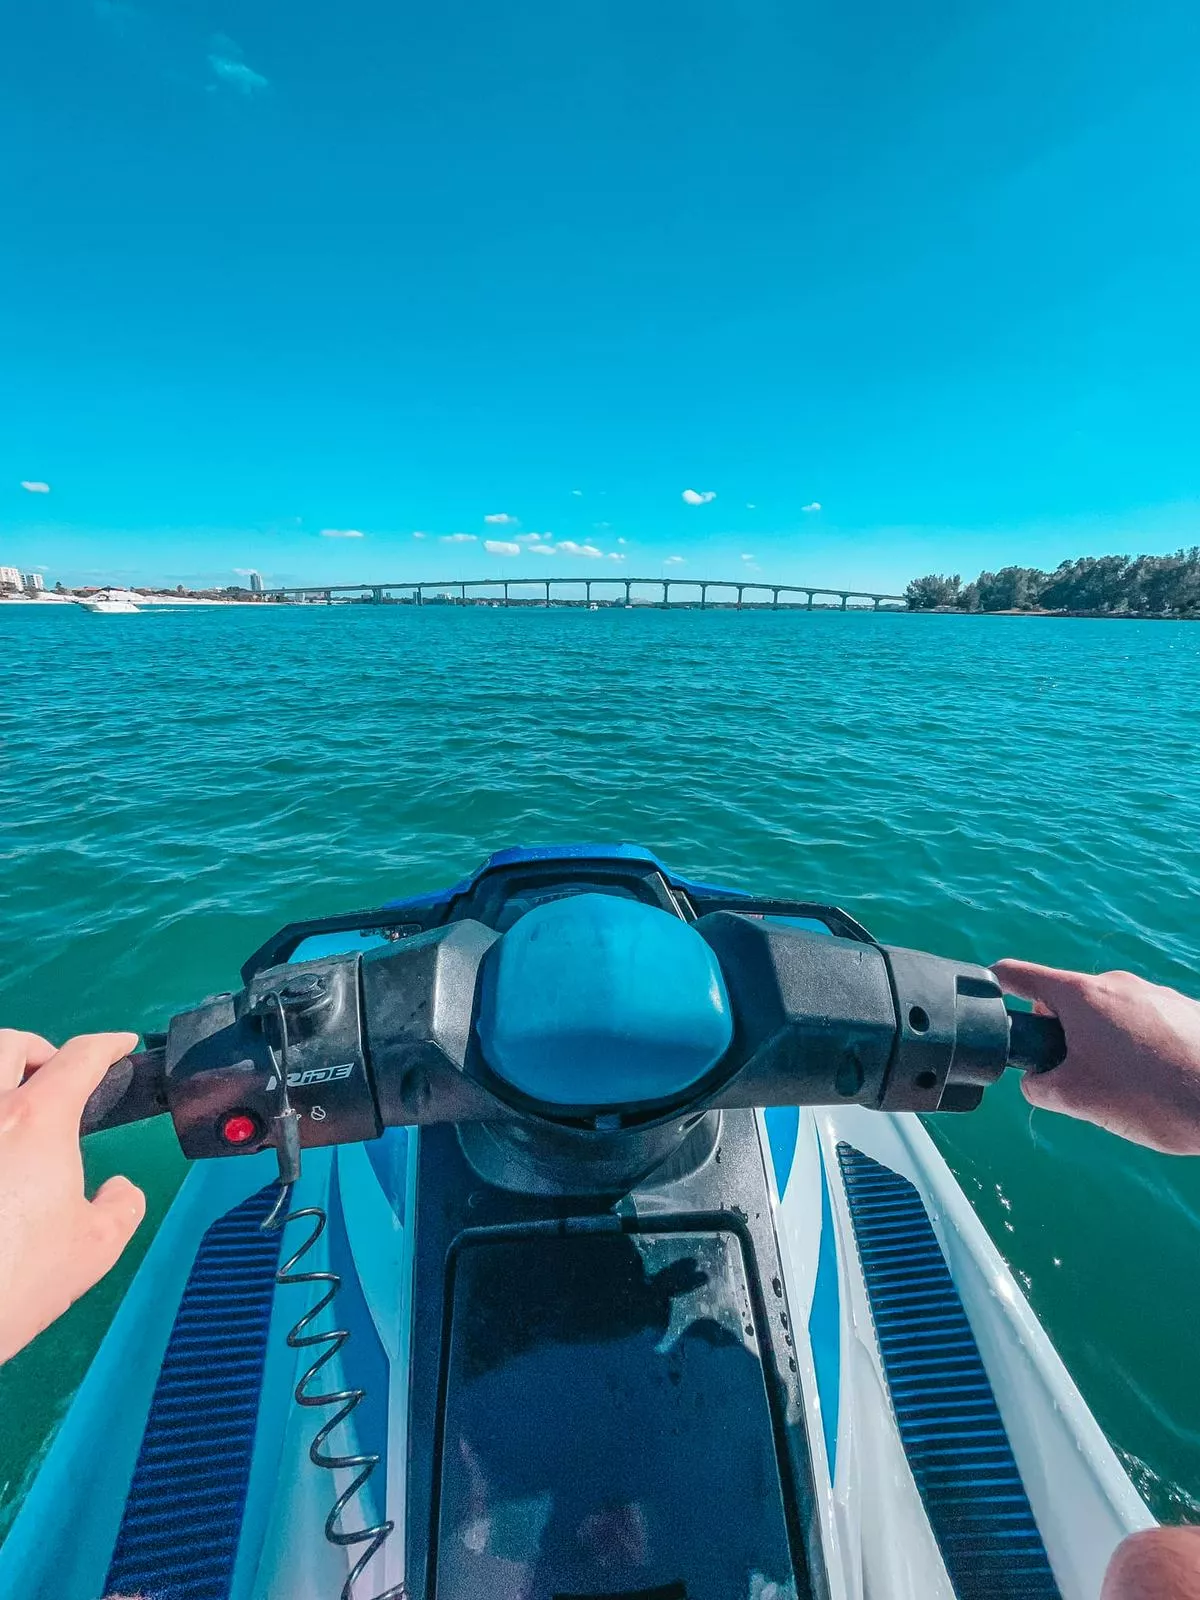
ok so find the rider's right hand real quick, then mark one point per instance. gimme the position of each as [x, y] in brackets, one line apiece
[1133, 1053]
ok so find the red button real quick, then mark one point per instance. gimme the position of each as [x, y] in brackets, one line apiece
[239, 1128]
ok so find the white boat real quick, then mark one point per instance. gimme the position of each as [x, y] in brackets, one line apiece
[111, 602]
[592, 1323]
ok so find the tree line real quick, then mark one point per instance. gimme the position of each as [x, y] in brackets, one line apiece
[1158, 586]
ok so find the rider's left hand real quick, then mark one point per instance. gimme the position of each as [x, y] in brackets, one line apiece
[55, 1243]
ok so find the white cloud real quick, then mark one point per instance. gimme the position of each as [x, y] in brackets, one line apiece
[570, 548]
[341, 533]
[699, 497]
[750, 506]
[542, 549]
[613, 555]
[419, 535]
[502, 519]
[578, 492]
[530, 538]
[34, 486]
[601, 524]
[458, 538]
[622, 541]
[747, 558]
[815, 506]
[674, 561]
[245, 572]
[225, 59]
[238, 74]
[501, 547]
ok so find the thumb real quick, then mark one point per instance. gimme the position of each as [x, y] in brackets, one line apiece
[1063, 1089]
[1042, 1089]
[116, 1211]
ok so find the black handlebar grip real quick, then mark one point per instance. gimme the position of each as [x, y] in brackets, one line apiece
[130, 1091]
[1035, 1043]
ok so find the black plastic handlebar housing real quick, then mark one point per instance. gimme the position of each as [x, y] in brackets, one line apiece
[357, 1043]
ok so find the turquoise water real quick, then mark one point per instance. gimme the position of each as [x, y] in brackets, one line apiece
[174, 787]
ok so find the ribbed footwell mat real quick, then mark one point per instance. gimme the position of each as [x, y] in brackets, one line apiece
[179, 1533]
[951, 1429]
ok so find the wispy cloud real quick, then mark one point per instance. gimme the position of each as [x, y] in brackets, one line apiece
[420, 535]
[570, 548]
[745, 557]
[750, 506]
[225, 60]
[814, 506]
[674, 561]
[245, 572]
[615, 555]
[622, 541]
[342, 533]
[542, 549]
[501, 547]
[578, 493]
[502, 519]
[699, 497]
[171, 42]
[531, 538]
[34, 486]
[458, 538]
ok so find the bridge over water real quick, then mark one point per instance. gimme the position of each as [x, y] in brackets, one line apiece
[548, 591]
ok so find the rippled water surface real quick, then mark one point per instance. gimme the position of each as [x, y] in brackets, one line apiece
[174, 787]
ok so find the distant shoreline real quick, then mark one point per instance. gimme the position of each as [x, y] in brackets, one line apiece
[1084, 616]
[186, 603]
[173, 602]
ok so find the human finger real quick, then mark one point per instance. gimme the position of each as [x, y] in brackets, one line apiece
[117, 1209]
[1045, 1090]
[1049, 985]
[20, 1051]
[64, 1083]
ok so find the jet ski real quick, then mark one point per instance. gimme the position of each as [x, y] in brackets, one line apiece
[573, 1234]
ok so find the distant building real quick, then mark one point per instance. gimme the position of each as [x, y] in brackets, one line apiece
[10, 578]
[34, 583]
[256, 583]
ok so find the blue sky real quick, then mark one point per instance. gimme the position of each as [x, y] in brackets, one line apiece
[383, 269]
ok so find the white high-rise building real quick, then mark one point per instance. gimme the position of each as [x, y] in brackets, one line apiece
[256, 583]
[10, 578]
[34, 583]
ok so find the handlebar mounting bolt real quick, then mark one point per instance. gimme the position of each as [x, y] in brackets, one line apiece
[304, 992]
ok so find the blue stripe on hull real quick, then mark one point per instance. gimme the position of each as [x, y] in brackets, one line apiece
[783, 1128]
[825, 1327]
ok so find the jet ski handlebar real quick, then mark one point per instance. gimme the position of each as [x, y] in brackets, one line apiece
[460, 1025]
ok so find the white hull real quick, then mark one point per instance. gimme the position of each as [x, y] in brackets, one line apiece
[871, 1521]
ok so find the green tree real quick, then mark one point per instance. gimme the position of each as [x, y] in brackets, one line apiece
[1169, 585]
[1010, 589]
[1100, 585]
[926, 594]
[1092, 583]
